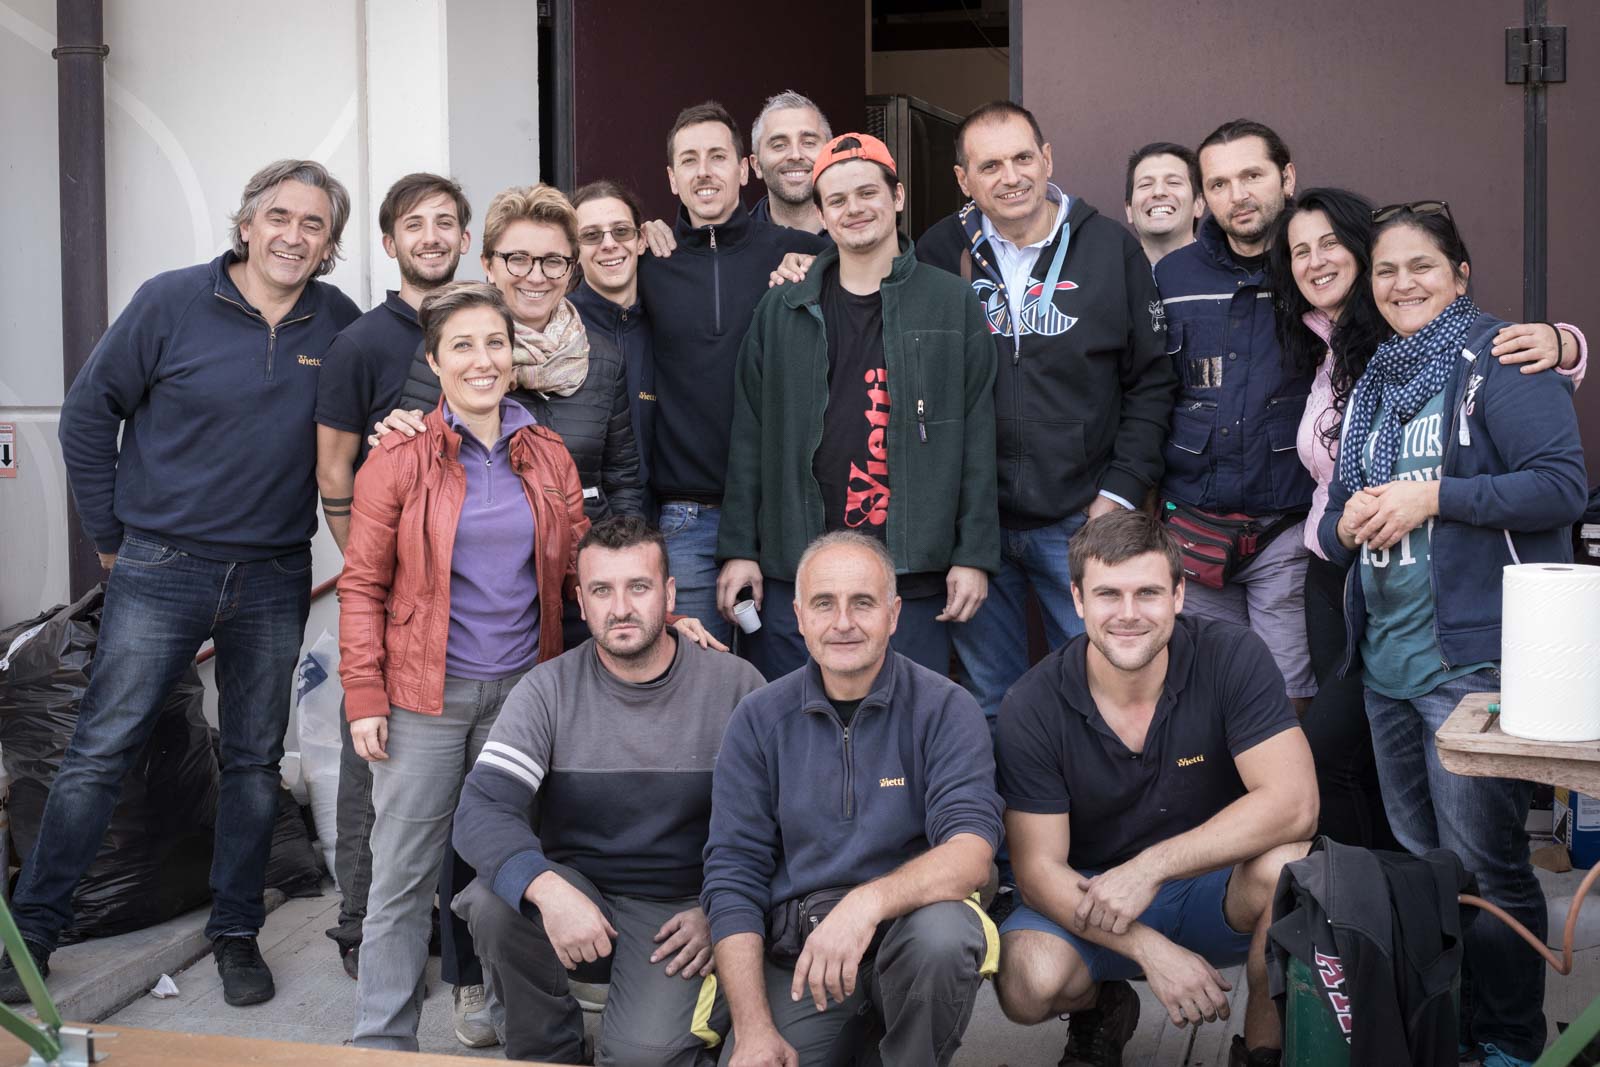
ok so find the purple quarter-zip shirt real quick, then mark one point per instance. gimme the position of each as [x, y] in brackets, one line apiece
[494, 583]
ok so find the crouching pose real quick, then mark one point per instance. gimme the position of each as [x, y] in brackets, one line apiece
[853, 819]
[1156, 781]
[612, 745]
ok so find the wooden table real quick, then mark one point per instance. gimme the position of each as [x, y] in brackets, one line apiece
[133, 1047]
[1471, 743]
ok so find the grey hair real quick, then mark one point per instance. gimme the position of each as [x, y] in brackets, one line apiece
[849, 539]
[782, 102]
[265, 182]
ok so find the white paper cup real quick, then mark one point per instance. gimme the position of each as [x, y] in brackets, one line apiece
[745, 614]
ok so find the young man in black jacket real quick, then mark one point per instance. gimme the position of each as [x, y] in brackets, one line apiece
[700, 301]
[1084, 388]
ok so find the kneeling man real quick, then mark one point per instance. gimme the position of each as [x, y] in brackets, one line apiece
[853, 819]
[1155, 780]
[585, 816]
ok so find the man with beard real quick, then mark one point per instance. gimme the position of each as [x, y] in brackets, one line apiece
[1156, 781]
[783, 150]
[424, 221]
[586, 815]
[1162, 198]
[1232, 473]
[901, 446]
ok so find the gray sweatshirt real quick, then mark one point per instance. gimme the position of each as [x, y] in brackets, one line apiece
[606, 776]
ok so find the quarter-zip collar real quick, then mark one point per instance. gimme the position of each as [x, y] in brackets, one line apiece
[224, 289]
[814, 696]
[610, 316]
[694, 237]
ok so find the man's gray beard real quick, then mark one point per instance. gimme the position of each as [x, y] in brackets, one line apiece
[773, 190]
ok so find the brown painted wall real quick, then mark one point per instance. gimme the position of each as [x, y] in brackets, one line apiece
[639, 62]
[1397, 101]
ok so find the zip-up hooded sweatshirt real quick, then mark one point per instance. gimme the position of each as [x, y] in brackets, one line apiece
[218, 456]
[800, 802]
[1083, 389]
[1234, 429]
[700, 300]
[940, 439]
[1512, 484]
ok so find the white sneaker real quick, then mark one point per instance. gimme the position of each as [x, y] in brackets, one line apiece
[473, 1026]
[591, 997]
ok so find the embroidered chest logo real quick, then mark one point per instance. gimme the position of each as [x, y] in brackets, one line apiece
[1158, 316]
[308, 361]
[891, 783]
[1038, 315]
[1190, 761]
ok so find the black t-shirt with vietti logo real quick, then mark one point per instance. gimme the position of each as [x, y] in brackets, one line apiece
[852, 462]
[1223, 696]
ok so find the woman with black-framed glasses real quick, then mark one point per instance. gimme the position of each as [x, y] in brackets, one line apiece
[1451, 466]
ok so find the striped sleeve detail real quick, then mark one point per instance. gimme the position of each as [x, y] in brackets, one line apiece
[503, 757]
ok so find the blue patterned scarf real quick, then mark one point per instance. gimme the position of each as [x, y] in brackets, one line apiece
[1404, 374]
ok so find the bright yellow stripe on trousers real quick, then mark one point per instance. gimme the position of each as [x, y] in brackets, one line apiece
[991, 939]
[700, 1026]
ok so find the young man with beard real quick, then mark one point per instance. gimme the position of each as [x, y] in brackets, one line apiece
[1231, 453]
[1156, 781]
[900, 446]
[783, 152]
[424, 220]
[188, 446]
[612, 745]
[699, 302]
[1162, 199]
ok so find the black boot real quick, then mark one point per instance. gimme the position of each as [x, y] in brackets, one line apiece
[11, 990]
[246, 978]
[1095, 1037]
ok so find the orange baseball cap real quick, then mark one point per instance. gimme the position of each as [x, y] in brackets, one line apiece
[848, 146]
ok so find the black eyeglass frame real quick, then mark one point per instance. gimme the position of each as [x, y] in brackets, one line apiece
[1414, 207]
[594, 237]
[567, 263]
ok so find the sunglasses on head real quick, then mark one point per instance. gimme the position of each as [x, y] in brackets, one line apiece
[1415, 207]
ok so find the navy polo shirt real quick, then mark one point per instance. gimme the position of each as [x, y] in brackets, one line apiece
[365, 369]
[1223, 696]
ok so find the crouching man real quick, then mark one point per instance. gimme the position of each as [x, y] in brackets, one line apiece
[1156, 781]
[613, 745]
[853, 819]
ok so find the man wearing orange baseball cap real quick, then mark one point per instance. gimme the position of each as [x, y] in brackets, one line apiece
[863, 401]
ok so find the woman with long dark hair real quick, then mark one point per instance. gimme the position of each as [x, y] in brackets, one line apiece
[1451, 466]
[1319, 260]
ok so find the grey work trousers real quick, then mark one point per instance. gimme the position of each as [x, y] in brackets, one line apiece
[922, 984]
[651, 1019]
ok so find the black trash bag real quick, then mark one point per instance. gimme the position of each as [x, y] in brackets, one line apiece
[294, 865]
[156, 856]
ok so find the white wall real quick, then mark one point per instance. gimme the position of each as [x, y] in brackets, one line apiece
[199, 94]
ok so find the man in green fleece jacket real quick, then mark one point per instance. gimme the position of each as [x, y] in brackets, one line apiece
[863, 400]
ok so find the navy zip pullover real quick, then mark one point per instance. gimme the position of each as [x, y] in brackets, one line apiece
[700, 300]
[802, 802]
[219, 452]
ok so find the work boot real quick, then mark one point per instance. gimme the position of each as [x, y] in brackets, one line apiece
[1240, 1055]
[1095, 1037]
[11, 990]
[246, 979]
[473, 1026]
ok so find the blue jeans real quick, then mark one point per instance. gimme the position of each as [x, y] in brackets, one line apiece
[777, 648]
[993, 645]
[691, 533]
[160, 606]
[1481, 820]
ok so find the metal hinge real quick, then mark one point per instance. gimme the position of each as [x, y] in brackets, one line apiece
[1536, 54]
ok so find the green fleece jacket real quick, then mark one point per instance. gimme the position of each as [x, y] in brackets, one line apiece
[939, 358]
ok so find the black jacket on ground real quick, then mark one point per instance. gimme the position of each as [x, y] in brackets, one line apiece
[1381, 933]
[700, 300]
[593, 422]
[1083, 392]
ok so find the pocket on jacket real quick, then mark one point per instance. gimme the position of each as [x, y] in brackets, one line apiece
[1188, 446]
[1291, 482]
[399, 615]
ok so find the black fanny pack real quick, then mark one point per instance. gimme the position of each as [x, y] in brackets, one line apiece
[790, 923]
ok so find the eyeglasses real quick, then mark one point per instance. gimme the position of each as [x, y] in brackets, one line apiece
[520, 264]
[622, 233]
[1416, 207]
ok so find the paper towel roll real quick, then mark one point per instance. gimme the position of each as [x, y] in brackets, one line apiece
[1550, 652]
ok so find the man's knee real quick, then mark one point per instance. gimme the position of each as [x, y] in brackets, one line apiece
[947, 936]
[1258, 879]
[492, 921]
[1038, 972]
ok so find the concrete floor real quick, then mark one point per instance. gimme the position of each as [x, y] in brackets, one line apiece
[316, 1001]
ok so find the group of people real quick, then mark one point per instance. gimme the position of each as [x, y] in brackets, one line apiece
[1215, 449]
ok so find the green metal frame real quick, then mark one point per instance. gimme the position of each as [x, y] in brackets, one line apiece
[1574, 1040]
[44, 1036]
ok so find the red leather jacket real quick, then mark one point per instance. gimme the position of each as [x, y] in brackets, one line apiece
[394, 593]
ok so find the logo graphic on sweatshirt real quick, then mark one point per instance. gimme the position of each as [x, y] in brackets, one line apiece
[1331, 970]
[1190, 761]
[308, 361]
[1472, 393]
[866, 494]
[1158, 316]
[886, 783]
[1038, 315]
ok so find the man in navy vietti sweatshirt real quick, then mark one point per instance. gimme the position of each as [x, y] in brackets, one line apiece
[865, 774]
[203, 514]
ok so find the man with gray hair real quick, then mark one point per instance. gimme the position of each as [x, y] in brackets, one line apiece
[853, 820]
[783, 148]
[202, 511]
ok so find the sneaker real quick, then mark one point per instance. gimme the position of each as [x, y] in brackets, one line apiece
[591, 996]
[1241, 1055]
[246, 978]
[11, 989]
[473, 1026]
[1494, 1057]
[1095, 1037]
[350, 956]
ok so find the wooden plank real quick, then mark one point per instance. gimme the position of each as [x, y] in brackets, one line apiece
[1472, 743]
[159, 1048]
